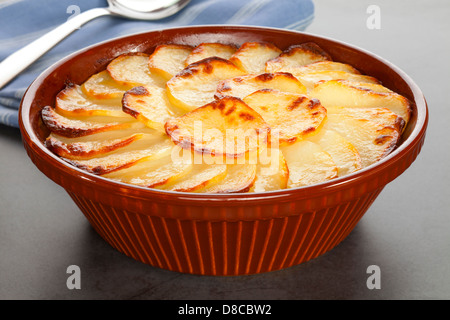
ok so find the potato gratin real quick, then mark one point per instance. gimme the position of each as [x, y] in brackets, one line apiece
[220, 118]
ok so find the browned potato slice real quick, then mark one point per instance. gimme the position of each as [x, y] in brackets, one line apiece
[71, 101]
[154, 173]
[312, 78]
[225, 127]
[272, 171]
[196, 85]
[343, 153]
[291, 116]
[71, 128]
[297, 56]
[239, 178]
[382, 116]
[373, 132]
[94, 145]
[326, 65]
[150, 105]
[241, 87]
[142, 150]
[377, 87]
[252, 56]
[340, 93]
[308, 164]
[132, 69]
[103, 87]
[168, 59]
[206, 50]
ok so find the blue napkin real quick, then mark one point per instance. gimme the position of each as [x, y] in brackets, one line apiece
[22, 21]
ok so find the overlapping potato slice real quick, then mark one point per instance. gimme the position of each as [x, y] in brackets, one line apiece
[150, 105]
[310, 79]
[297, 56]
[76, 127]
[291, 116]
[341, 93]
[102, 86]
[202, 176]
[382, 116]
[94, 145]
[71, 101]
[364, 129]
[206, 50]
[272, 171]
[326, 65]
[132, 69]
[377, 87]
[242, 86]
[151, 149]
[343, 153]
[225, 127]
[168, 59]
[196, 85]
[308, 164]
[251, 57]
[239, 178]
[154, 172]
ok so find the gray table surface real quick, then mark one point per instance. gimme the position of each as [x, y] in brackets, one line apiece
[405, 232]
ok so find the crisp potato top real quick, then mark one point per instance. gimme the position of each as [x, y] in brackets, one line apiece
[226, 118]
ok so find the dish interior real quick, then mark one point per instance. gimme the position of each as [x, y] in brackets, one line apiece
[78, 67]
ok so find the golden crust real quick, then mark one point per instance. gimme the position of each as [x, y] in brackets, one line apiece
[196, 85]
[207, 50]
[226, 127]
[76, 128]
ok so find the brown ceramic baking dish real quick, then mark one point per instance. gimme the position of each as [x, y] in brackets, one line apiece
[219, 234]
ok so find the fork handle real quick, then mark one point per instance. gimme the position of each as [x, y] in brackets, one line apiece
[14, 64]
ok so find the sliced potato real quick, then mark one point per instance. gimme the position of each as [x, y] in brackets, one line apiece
[132, 69]
[312, 78]
[297, 56]
[97, 145]
[242, 86]
[168, 59]
[206, 50]
[341, 93]
[196, 85]
[142, 150]
[291, 116]
[150, 105]
[382, 116]
[71, 101]
[344, 154]
[373, 138]
[154, 173]
[272, 171]
[225, 127]
[68, 127]
[308, 164]
[201, 177]
[239, 178]
[325, 65]
[103, 87]
[251, 57]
